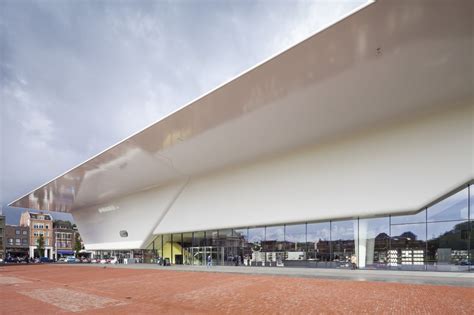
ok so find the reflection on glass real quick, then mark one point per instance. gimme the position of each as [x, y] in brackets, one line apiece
[274, 244]
[167, 247]
[419, 217]
[448, 245]
[295, 242]
[244, 249]
[177, 249]
[408, 245]
[187, 248]
[156, 247]
[373, 242]
[318, 238]
[471, 200]
[256, 237]
[343, 234]
[198, 252]
[454, 207]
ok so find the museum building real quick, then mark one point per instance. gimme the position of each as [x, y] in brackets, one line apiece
[354, 145]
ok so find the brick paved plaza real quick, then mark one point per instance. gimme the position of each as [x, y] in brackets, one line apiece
[55, 289]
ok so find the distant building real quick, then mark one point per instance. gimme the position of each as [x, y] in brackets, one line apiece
[2, 237]
[39, 223]
[17, 240]
[64, 238]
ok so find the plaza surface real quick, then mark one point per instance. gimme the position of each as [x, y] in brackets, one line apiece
[147, 289]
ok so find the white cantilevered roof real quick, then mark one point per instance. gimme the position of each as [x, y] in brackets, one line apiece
[388, 60]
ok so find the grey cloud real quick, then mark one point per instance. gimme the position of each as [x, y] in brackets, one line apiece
[78, 76]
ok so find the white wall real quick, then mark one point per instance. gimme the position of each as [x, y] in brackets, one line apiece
[138, 214]
[393, 168]
[397, 168]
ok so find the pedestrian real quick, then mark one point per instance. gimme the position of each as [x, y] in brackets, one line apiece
[354, 262]
[209, 261]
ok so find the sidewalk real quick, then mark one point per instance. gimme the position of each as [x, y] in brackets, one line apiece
[412, 277]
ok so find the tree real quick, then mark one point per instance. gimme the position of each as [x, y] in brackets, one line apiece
[40, 243]
[77, 243]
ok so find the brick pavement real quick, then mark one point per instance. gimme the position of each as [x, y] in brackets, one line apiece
[62, 289]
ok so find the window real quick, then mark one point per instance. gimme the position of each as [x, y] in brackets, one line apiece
[448, 245]
[10, 241]
[25, 232]
[177, 249]
[343, 234]
[17, 241]
[256, 237]
[274, 245]
[408, 241]
[373, 242]
[24, 241]
[295, 244]
[318, 242]
[47, 226]
[454, 207]
[17, 232]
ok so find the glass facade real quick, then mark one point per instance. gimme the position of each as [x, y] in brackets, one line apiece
[439, 237]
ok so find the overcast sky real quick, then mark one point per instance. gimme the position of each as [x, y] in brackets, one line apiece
[79, 76]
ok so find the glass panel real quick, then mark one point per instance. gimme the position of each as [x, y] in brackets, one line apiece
[471, 200]
[295, 244]
[319, 246]
[274, 245]
[454, 207]
[419, 217]
[256, 237]
[448, 246]
[167, 251]
[229, 246]
[187, 248]
[212, 251]
[198, 252]
[343, 234]
[408, 246]
[373, 242]
[177, 249]
[245, 250]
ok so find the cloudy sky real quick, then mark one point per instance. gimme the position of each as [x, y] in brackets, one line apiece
[79, 76]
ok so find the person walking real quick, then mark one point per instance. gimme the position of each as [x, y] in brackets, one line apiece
[209, 261]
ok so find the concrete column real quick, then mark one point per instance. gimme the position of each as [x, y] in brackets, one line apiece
[32, 251]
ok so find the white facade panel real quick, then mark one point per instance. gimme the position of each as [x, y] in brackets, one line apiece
[137, 214]
[398, 168]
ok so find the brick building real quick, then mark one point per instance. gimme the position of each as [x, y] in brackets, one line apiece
[39, 223]
[17, 240]
[64, 238]
[2, 237]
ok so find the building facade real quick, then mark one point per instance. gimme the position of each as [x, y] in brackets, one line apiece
[356, 144]
[18, 241]
[39, 224]
[2, 237]
[64, 238]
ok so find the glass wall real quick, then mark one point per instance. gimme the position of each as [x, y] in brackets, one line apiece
[274, 245]
[255, 238]
[295, 245]
[187, 248]
[318, 240]
[373, 243]
[343, 235]
[448, 233]
[439, 238]
[408, 241]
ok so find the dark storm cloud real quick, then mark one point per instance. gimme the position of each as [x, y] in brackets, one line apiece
[78, 76]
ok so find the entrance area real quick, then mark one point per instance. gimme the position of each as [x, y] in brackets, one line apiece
[436, 238]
